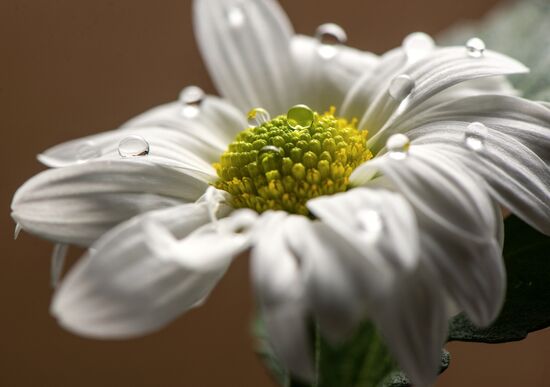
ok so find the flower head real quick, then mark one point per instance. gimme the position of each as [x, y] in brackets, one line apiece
[387, 207]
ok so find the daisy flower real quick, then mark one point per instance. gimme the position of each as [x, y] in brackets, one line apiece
[362, 187]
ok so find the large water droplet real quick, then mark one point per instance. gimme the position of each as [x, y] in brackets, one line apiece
[133, 146]
[330, 36]
[475, 136]
[398, 146]
[300, 117]
[191, 98]
[475, 47]
[17, 231]
[235, 16]
[257, 117]
[417, 46]
[370, 222]
[400, 87]
[87, 151]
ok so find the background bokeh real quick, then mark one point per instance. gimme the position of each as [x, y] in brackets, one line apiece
[70, 68]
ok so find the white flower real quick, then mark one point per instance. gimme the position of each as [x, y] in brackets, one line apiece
[415, 237]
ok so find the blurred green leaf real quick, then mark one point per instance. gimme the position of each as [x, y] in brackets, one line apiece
[527, 306]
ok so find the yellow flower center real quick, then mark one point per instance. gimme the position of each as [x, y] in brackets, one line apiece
[282, 163]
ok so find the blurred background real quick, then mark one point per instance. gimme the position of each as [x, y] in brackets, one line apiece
[71, 68]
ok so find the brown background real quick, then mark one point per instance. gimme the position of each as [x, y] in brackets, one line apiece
[70, 68]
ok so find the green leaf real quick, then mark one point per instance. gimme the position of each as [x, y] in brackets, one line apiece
[362, 361]
[398, 379]
[527, 305]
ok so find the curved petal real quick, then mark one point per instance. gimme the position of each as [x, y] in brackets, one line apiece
[458, 227]
[215, 126]
[76, 204]
[149, 270]
[413, 321]
[526, 121]
[372, 219]
[431, 75]
[166, 147]
[246, 47]
[278, 281]
[325, 81]
[513, 174]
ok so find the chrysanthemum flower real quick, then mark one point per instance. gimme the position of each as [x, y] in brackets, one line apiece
[361, 186]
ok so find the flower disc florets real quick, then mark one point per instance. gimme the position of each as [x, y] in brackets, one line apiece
[280, 165]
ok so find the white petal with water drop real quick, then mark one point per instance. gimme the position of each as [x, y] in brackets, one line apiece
[417, 45]
[235, 16]
[371, 224]
[330, 36]
[475, 136]
[398, 146]
[191, 98]
[475, 47]
[400, 87]
[133, 146]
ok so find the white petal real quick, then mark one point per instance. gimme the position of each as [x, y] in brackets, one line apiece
[76, 204]
[325, 82]
[458, 226]
[372, 220]
[131, 285]
[525, 120]
[246, 47]
[413, 320]
[278, 281]
[514, 175]
[166, 147]
[216, 125]
[362, 93]
[437, 72]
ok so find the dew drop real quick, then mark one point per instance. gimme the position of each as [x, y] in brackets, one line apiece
[398, 146]
[133, 146]
[400, 87]
[257, 117]
[417, 45]
[300, 117]
[270, 149]
[475, 47]
[87, 151]
[17, 231]
[235, 17]
[475, 136]
[330, 36]
[191, 98]
[370, 222]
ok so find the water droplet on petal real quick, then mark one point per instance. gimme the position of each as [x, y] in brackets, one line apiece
[191, 98]
[133, 146]
[270, 149]
[235, 17]
[398, 146]
[370, 222]
[475, 47]
[417, 45]
[300, 117]
[400, 87]
[87, 151]
[257, 117]
[330, 36]
[475, 136]
[17, 231]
